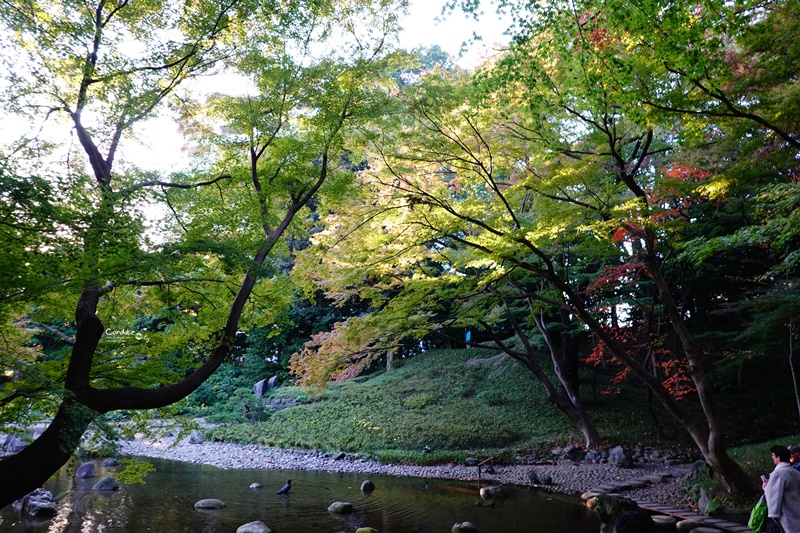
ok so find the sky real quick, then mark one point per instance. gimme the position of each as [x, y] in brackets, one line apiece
[421, 28]
[161, 148]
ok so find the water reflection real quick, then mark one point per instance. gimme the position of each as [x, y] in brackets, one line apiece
[397, 505]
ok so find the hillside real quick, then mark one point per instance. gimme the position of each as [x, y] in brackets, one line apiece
[456, 402]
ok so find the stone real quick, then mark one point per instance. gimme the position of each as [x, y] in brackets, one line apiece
[254, 527]
[687, 525]
[663, 521]
[107, 483]
[13, 444]
[110, 461]
[38, 503]
[209, 503]
[471, 461]
[705, 529]
[592, 456]
[196, 437]
[574, 453]
[273, 383]
[367, 530]
[697, 470]
[464, 527]
[260, 388]
[86, 470]
[703, 501]
[621, 457]
[339, 456]
[609, 507]
[589, 494]
[492, 491]
[341, 507]
[367, 486]
[255, 485]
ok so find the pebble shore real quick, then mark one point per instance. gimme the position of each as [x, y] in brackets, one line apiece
[567, 476]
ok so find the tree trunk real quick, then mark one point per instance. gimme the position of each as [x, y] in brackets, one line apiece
[564, 398]
[34, 465]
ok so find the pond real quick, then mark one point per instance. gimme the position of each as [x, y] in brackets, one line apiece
[397, 505]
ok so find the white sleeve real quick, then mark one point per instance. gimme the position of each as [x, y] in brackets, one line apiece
[774, 493]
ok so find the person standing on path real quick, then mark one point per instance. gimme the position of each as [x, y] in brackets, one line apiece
[795, 458]
[782, 491]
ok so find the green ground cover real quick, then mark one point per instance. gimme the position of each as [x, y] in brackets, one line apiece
[457, 402]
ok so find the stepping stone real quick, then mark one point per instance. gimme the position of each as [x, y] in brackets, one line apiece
[655, 478]
[688, 525]
[640, 479]
[591, 493]
[664, 521]
[706, 530]
[635, 484]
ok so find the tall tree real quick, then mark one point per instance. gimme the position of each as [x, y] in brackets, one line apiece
[109, 65]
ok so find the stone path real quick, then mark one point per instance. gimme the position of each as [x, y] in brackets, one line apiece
[704, 523]
[686, 520]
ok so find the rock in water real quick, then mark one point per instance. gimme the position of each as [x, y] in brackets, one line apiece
[38, 503]
[86, 470]
[492, 491]
[254, 527]
[209, 503]
[341, 507]
[464, 527]
[107, 483]
[367, 486]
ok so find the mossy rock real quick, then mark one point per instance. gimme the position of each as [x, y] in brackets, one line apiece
[609, 507]
[341, 507]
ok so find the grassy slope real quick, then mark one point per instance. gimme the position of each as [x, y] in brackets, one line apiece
[458, 402]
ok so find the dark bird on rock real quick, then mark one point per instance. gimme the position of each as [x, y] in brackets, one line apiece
[285, 488]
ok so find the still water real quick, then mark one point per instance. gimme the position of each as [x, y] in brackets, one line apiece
[165, 504]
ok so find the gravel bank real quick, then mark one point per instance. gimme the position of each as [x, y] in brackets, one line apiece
[567, 477]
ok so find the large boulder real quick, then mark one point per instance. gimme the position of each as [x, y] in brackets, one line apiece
[341, 507]
[196, 437]
[621, 457]
[209, 503]
[107, 483]
[39, 503]
[110, 461]
[609, 507]
[272, 383]
[259, 388]
[574, 453]
[254, 527]
[86, 470]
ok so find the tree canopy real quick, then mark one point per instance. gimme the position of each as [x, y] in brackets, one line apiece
[618, 186]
